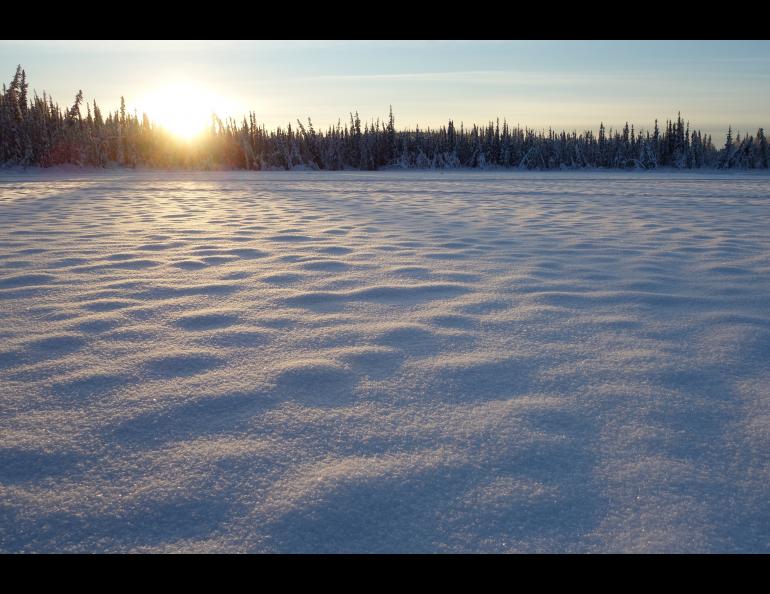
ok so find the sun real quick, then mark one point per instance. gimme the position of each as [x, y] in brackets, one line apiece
[182, 108]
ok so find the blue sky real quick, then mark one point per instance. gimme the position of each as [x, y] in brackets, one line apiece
[565, 84]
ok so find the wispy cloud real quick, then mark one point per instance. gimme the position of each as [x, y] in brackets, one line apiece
[492, 76]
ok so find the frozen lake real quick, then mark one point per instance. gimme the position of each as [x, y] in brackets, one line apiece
[384, 362]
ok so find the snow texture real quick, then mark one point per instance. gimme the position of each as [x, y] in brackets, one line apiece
[384, 362]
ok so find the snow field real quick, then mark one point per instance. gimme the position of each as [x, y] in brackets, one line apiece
[384, 362]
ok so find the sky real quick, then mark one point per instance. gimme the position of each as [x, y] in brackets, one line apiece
[570, 85]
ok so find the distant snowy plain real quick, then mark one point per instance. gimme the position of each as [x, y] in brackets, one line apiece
[384, 362]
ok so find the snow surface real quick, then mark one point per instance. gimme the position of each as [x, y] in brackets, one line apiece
[379, 362]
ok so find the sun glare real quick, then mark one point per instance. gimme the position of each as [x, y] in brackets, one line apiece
[183, 109]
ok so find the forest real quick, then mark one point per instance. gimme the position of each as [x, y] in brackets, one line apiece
[36, 131]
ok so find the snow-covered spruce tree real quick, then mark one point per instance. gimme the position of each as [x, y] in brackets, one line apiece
[761, 152]
[726, 158]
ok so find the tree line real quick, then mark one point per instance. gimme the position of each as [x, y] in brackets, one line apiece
[36, 131]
